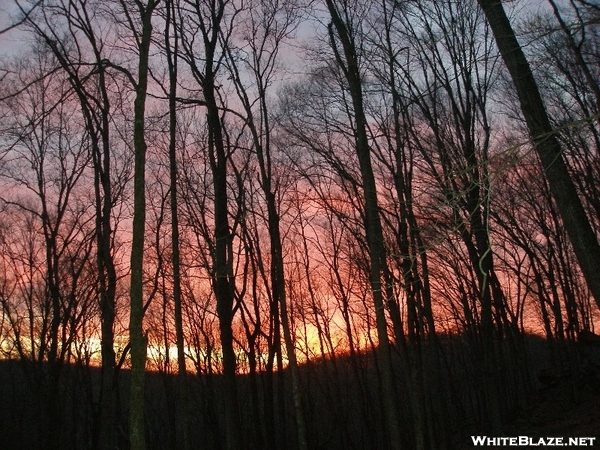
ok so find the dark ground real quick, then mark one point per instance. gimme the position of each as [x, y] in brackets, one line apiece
[562, 408]
[560, 405]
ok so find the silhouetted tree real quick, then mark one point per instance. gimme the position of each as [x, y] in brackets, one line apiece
[581, 234]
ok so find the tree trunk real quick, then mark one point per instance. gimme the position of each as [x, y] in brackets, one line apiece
[374, 232]
[136, 318]
[181, 411]
[582, 236]
[222, 264]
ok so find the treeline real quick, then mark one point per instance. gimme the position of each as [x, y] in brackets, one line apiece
[229, 192]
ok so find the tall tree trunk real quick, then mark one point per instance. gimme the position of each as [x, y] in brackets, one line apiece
[278, 282]
[107, 287]
[582, 236]
[222, 264]
[262, 139]
[106, 267]
[209, 20]
[136, 335]
[374, 233]
[181, 412]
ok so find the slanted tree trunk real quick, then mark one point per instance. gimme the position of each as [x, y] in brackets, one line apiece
[582, 236]
[374, 233]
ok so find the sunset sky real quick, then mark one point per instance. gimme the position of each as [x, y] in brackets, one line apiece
[337, 182]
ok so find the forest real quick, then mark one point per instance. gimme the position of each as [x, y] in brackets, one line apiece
[294, 224]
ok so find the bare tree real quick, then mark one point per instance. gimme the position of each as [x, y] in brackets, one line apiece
[576, 222]
[211, 23]
[267, 25]
[348, 58]
[138, 17]
[90, 80]
[43, 177]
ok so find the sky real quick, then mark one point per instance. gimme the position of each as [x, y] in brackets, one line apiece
[11, 40]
